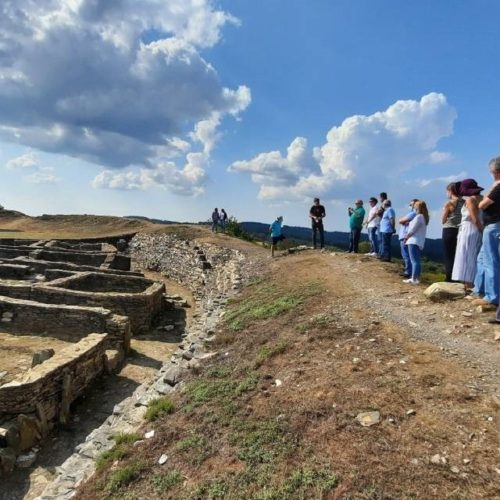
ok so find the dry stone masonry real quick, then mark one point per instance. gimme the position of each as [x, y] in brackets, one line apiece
[82, 298]
[213, 274]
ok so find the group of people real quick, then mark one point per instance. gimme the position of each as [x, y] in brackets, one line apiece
[471, 238]
[219, 220]
[471, 235]
[381, 225]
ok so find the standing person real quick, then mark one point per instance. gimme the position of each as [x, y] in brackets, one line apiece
[490, 205]
[223, 220]
[451, 218]
[372, 225]
[404, 223]
[215, 220]
[276, 231]
[356, 217]
[382, 198]
[469, 235]
[317, 214]
[387, 229]
[415, 240]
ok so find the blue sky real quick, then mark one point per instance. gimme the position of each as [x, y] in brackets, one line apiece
[170, 108]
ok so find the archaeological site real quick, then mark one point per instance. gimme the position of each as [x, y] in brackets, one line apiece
[70, 312]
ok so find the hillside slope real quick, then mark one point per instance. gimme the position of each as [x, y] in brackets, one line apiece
[315, 341]
[20, 226]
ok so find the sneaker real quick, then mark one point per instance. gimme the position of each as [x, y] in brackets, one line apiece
[409, 280]
[494, 321]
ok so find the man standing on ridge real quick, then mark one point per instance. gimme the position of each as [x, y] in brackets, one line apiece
[317, 214]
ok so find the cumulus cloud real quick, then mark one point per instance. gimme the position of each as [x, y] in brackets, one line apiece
[374, 150]
[122, 84]
[29, 162]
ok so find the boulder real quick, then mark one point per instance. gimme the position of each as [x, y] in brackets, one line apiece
[445, 291]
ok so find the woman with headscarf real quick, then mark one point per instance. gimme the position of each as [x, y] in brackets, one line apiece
[469, 234]
[451, 218]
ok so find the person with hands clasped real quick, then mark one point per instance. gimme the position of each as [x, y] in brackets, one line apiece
[414, 240]
[387, 229]
[317, 214]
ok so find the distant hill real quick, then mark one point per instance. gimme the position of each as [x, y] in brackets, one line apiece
[432, 250]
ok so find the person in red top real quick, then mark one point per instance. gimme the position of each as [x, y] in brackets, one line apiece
[317, 214]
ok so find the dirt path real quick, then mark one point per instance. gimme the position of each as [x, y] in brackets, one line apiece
[455, 327]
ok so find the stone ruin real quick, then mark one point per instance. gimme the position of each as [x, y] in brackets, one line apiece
[67, 313]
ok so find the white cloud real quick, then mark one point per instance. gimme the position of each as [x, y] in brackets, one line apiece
[27, 160]
[30, 162]
[364, 151]
[121, 84]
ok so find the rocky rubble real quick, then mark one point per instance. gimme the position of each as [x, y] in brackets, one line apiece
[213, 274]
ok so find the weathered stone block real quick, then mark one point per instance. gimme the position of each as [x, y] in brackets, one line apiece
[444, 291]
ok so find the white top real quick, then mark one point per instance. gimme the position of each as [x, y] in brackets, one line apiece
[417, 229]
[375, 222]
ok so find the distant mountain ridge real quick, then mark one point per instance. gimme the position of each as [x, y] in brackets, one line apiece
[433, 247]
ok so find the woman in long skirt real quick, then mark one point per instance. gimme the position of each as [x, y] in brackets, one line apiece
[469, 235]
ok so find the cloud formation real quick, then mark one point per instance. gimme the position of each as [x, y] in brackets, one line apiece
[372, 150]
[29, 163]
[122, 84]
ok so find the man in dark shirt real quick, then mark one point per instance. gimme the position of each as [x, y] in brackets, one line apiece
[490, 205]
[317, 214]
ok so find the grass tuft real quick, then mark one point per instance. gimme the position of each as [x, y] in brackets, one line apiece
[158, 408]
[268, 352]
[166, 481]
[124, 476]
[127, 437]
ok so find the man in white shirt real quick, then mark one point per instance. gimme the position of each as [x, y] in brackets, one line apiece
[372, 223]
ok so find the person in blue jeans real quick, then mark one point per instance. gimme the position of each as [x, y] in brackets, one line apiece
[387, 229]
[382, 198]
[415, 240]
[372, 224]
[403, 230]
[490, 205]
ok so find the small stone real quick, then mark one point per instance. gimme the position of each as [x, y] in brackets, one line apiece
[26, 460]
[466, 461]
[278, 383]
[454, 469]
[437, 459]
[467, 314]
[169, 328]
[117, 410]
[355, 360]
[149, 434]
[368, 418]
[372, 340]
[411, 412]
[163, 459]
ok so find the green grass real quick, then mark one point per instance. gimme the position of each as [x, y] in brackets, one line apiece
[124, 476]
[261, 441]
[158, 408]
[118, 452]
[196, 448]
[127, 437]
[215, 488]
[268, 301]
[267, 352]
[166, 481]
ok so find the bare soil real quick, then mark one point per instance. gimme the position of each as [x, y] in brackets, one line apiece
[16, 352]
[311, 343]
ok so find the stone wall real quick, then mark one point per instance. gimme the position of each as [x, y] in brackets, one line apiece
[67, 322]
[142, 309]
[30, 407]
[101, 282]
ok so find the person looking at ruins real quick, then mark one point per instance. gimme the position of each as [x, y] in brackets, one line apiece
[404, 223]
[317, 213]
[414, 240]
[469, 235]
[223, 220]
[451, 218]
[215, 220]
[356, 217]
[490, 205]
[387, 229]
[372, 224]
[276, 230]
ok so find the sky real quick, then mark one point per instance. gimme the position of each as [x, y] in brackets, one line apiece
[169, 108]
